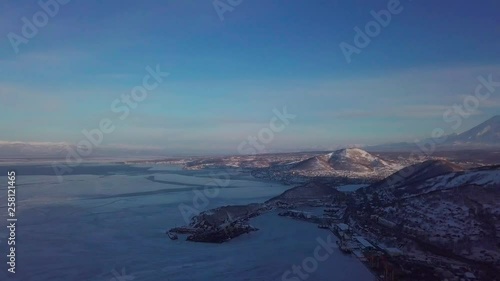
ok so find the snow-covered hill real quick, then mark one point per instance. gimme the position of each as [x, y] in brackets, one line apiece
[344, 162]
[410, 177]
[455, 210]
[431, 176]
[356, 160]
[305, 193]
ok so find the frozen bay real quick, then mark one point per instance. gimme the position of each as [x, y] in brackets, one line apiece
[108, 222]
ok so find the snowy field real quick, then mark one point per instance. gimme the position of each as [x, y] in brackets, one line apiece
[108, 222]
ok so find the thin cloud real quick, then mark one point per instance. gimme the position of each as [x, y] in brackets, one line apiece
[414, 111]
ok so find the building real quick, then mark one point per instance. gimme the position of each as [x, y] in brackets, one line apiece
[359, 255]
[393, 252]
[386, 223]
[342, 227]
[365, 245]
[470, 276]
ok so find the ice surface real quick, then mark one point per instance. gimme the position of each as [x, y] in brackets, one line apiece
[104, 228]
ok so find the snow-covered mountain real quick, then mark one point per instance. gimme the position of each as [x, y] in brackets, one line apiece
[349, 163]
[348, 159]
[413, 175]
[356, 160]
[486, 133]
[453, 209]
[484, 136]
[431, 176]
[305, 193]
[464, 220]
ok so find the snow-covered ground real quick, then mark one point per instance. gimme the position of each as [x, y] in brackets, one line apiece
[111, 227]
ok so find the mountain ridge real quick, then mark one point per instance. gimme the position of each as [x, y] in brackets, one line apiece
[485, 135]
[347, 159]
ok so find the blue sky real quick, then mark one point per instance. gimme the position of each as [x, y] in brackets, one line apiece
[227, 76]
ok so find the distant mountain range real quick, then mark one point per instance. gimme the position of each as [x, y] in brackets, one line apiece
[33, 149]
[483, 136]
[486, 133]
[49, 150]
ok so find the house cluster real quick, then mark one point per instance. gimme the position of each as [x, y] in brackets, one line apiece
[392, 263]
[392, 225]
